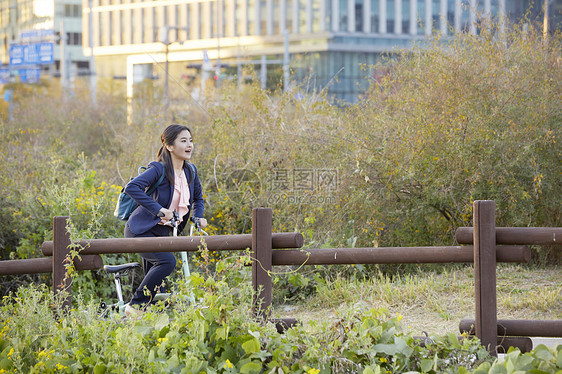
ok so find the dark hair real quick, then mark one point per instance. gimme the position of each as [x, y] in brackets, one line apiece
[168, 137]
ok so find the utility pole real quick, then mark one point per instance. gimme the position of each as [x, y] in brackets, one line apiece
[63, 68]
[219, 35]
[93, 88]
[164, 39]
[545, 21]
[286, 60]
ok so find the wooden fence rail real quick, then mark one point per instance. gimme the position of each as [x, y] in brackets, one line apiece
[516, 235]
[179, 243]
[265, 245]
[45, 265]
[394, 255]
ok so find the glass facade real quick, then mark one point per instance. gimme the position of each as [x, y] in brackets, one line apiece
[325, 71]
[324, 34]
[233, 18]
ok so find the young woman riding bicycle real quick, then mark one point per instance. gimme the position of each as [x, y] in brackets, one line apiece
[179, 191]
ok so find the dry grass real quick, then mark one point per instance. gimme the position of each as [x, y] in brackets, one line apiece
[435, 303]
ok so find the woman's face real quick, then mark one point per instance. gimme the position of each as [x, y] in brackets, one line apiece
[182, 147]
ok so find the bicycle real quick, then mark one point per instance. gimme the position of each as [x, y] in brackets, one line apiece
[119, 271]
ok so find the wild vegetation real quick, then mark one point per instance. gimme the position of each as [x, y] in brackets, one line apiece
[473, 117]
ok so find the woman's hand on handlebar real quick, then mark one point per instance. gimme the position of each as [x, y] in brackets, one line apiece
[165, 214]
[202, 222]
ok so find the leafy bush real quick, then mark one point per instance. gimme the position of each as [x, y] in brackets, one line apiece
[221, 335]
[541, 360]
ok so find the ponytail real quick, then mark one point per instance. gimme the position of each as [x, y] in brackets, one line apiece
[168, 137]
[165, 158]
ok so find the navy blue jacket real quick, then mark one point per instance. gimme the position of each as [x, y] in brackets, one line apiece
[145, 216]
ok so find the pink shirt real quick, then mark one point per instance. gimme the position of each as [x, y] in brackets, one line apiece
[180, 199]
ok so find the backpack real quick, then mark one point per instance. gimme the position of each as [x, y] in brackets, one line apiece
[126, 205]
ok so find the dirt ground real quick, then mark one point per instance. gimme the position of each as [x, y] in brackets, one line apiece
[522, 294]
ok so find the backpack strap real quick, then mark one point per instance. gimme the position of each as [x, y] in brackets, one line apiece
[192, 167]
[153, 187]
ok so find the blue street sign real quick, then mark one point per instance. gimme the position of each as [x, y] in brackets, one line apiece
[46, 53]
[16, 54]
[46, 33]
[26, 75]
[8, 95]
[29, 75]
[36, 35]
[4, 75]
[32, 54]
[30, 34]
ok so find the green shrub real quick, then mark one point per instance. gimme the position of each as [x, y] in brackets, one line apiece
[221, 335]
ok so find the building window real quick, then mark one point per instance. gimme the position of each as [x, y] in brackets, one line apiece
[73, 10]
[374, 15]
[406, 17]
[358, 17]
[390, 17]
[343, 16]
[74, 38]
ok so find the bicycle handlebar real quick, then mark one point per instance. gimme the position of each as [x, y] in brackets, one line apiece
[175, 219]
[196, 222]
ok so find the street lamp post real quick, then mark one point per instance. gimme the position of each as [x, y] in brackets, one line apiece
[164, 39]
[92, 59]
[545, 21]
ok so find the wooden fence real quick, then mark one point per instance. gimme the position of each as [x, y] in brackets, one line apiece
[490, 245]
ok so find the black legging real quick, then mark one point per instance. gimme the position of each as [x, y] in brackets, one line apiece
[157, 266]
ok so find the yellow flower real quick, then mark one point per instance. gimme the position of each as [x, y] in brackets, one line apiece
[60, 367]
[313, 371]
[383, 359]
[11, 352]
[228, 364]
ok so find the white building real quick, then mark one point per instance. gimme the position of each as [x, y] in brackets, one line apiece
[323, 41]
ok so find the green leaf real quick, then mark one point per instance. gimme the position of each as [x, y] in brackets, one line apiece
[498, 369]
[222, 333]
[369, 370]
[542, 352]
[151, 355]
[399, 346]
[165, 330]
[143, 330]
[221, 265]
[251, 367]
[251, 346]
[161, 322]
[173, 362]
[454, 340]
[426, 365]
[484, 368]
[5, 364]
[99, 369]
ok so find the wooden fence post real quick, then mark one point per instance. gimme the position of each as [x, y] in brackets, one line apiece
[262, 222]
[485, 273]
[61, 249]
